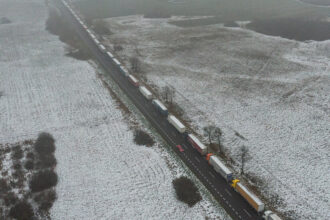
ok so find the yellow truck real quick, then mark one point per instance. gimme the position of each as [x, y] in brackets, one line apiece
[252, 199]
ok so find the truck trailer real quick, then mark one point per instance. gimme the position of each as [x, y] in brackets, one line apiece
[110, 55]
[176, 123]
[252, 199]
[124, 70]
[145, 92]
[220, 168]
[133, 80]
[160, 107]
[96, 41]
[102, 48]
[116, 61]
[197, 144]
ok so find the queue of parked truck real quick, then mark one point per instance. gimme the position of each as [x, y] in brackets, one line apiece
[214, 160]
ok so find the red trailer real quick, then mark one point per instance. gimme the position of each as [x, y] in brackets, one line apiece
[197, 144]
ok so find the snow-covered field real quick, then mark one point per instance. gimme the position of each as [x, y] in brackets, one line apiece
[272, 91]
[102, 173]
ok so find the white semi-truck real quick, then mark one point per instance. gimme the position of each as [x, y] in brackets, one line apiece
[145, 92]
[220, 168]
[176, 123]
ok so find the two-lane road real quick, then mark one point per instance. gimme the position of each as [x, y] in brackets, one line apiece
[231, 201]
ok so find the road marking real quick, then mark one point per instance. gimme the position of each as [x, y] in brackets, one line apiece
[173, 133]
[247, 213]
[197, 159]
[228, 192]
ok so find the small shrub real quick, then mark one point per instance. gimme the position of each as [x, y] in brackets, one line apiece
[142, 138]
[7, 150]
[4, 173]
[47, 195]
[43, 180]
[48, 161]
[4, 187]
[18, 174]
[28, 142]
[17, 166]
[30, 155]
[19, 178]
[17, 153]
[29, 165]
[79, 52]
[21, 211]
[46, 199]
[10, 199]
[4, 20]
[186, 191]
[101, 27]
[117, 47]
[45, 144]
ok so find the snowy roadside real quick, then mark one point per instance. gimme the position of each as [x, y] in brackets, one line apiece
[102, 173]
[272, 91]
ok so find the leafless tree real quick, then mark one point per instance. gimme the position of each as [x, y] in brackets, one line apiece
[217, 134]
[135, 64]
[168, 94]
[244, 157]
[208, 132]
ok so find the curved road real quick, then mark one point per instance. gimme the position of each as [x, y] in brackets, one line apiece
[231, 201]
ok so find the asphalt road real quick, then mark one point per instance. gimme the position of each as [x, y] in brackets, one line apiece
[231, 201]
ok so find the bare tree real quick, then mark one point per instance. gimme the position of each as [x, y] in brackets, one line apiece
[135, 64]
[244, 157]
[208, 132]
[168, 94]
[217, 134]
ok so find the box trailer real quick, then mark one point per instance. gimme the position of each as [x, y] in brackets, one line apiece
[133, 80]
[116, 62]
[110, 55]
[102, 48]
[93, 36]
[197, 144]
[252, 199]
[160, 106]
[96, 41]
[220, 168]
[123, 70]
[176, 123]
[145, 92]
[269, 215]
